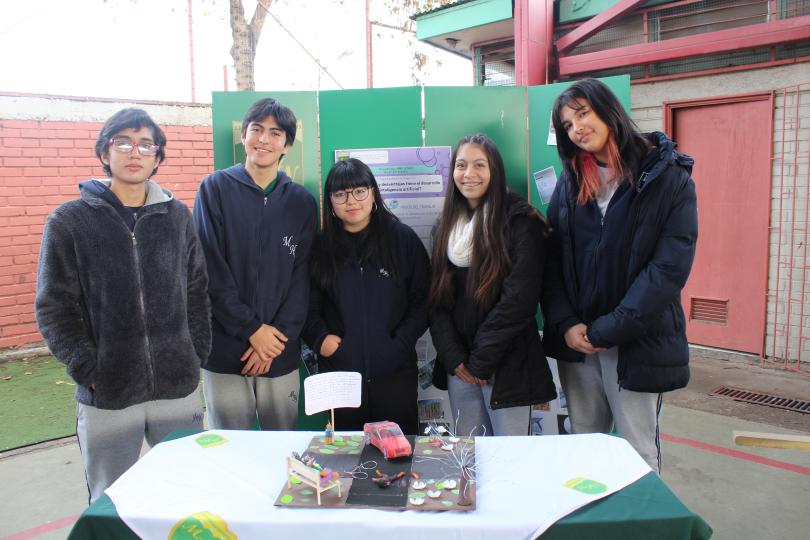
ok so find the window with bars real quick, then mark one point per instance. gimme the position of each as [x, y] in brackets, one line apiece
[686, 18]
[495, 64]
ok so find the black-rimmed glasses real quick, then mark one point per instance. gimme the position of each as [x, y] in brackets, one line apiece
[125, 146]
[342, 197]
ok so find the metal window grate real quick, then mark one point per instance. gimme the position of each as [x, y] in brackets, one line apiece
[495, 64]
[757, 398]
[708, 310]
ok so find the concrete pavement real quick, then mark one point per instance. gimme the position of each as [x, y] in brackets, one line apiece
[742, 492]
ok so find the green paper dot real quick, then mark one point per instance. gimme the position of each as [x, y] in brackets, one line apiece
[440, 485]
[339, 443]
[306, 492]
[355, 451]
[427, 451]
[287, 499]
[431, 481]
[455, 491]
[306, 500]
[331, 447]
[447, 503]
[352, 443]
[295, 480]
[423, 439]
[417, 495]
[468, 441]
[357, 437]
[326, 451]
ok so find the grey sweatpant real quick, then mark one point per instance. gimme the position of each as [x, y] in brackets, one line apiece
[111, 440]
[595, 402]
[236, 401]
[472, 411]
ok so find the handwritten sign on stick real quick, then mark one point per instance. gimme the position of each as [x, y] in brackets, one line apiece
[332, 391]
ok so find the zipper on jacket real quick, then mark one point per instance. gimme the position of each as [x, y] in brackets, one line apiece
[142, 305]
[259, 257]
[365, 329]
[596, 261]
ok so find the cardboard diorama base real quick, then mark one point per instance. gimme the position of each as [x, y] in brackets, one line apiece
[432, 465]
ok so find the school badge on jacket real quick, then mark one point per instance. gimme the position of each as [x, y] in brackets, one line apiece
[287, 242]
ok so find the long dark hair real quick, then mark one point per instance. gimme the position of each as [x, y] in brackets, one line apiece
[626, 146]
[490, 254]
[334, 247]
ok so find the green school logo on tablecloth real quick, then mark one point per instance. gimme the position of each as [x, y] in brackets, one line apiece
[586, 485]
[208, 440]
[201, 526]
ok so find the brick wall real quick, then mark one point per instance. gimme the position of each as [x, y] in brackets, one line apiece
[41, 163]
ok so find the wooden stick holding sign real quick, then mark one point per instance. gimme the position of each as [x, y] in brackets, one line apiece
[329, 391]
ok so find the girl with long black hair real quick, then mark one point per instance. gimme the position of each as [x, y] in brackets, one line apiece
[370, 276]
[487, 276]
[624, 220]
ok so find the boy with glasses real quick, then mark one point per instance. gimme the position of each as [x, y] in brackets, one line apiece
[122, 302]
[256, 227]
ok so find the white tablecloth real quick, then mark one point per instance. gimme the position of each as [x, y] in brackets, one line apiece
[520, 489]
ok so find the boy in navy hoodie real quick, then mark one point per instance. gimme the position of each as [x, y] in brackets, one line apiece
[256, 227]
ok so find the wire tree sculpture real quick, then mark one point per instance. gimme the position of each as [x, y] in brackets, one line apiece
[457, 455]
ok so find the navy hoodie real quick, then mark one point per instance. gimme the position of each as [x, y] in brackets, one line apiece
[257, 249]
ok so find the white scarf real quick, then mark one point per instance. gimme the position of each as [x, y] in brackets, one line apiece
[459, 245]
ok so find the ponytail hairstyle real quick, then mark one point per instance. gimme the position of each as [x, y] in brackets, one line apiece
[334, 245]
[626, 146]
[490, 256]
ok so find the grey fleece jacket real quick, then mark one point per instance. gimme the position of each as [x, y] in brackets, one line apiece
[125, 311]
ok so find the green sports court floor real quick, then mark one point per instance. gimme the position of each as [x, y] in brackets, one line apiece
[36, 402]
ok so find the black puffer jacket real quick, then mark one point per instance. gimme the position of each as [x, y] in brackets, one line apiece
[503, 341]
[650, 261]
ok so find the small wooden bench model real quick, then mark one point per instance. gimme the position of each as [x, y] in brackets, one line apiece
[310, 476]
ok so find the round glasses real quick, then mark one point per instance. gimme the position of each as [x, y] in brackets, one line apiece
[125, 146]
[342, 197]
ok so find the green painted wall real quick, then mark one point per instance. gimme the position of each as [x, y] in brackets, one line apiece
[499, 112]
[574, 10]
[461, 17]
[515, 117]
[371, 118]
[541, 99]
[300, 163]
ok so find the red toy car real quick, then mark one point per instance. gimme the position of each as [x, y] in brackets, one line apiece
[388, 438]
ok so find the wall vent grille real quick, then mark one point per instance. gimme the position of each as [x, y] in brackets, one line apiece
[709, 310]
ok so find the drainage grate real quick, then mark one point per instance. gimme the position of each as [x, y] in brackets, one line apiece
[738, 394]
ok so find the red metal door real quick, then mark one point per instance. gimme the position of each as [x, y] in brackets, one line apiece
[730, 139]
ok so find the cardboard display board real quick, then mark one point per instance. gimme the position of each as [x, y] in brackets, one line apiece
[349, 452]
